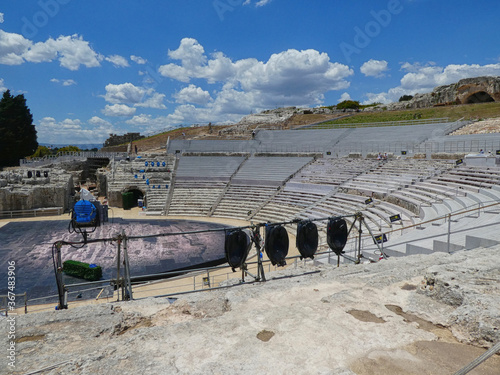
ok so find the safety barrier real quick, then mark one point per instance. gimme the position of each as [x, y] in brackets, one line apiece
[210, 278]
[5, 308]
[35, 212]
[329, 125]
[68, 156]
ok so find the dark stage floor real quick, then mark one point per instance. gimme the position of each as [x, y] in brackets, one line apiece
[29, 245]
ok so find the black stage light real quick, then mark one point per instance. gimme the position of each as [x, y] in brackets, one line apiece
[237, 246]
[276, 244]
[30, 174]
[336, 234]
[380, 239]
[45, 174]
[307, 239]
[394, 218]
[38, 173]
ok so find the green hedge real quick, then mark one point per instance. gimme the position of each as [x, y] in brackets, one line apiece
[83, 270]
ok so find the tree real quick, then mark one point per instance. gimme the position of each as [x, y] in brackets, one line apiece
[17, 132]
[41, 151]
[69, 148]
[405, 98]
[348, 104]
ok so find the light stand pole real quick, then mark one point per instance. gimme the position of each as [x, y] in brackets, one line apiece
[61, 290]
[128, 283]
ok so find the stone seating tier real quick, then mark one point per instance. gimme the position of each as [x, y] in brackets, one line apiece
[212, 167]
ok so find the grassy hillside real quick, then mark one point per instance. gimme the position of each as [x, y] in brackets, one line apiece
[467, 111]
[471, 111]
[160, 140]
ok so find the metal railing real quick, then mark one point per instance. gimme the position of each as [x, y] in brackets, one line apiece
[430, 147]
[35, 212]
[69, 155]
[456, 125]
[333, 125]
[170, 284]
[5, 308]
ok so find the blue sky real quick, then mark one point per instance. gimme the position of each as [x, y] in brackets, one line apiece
[90, 68]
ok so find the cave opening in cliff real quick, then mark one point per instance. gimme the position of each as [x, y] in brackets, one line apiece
[479, 97]
[132, 197]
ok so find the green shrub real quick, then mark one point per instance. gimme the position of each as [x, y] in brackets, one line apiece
[348, 104]
[69, 148]
[405, 98]
[41, 151]
[82, 270]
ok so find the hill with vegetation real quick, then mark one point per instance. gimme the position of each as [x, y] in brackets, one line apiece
[306, 118]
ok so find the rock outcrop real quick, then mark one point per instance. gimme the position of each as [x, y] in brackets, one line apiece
[26, 189]
[465, 91]
[279, 116]
[391, 317]
[272, 117]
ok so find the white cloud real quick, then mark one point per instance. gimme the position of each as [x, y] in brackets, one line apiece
[187, 114]
[71, 51]
[228, 107]
[291, 77]
[117, 110]
[138, 60]
[193, 94]
[1, 17]
[64, 82]
[345, 96]
[140, 120]
[190, 52]
[118, 61]
[392, 95]
[72, 131]
[155, 101]
[131, 95]
[97, 121]
[12, 48]
[374, 68]
[126, 93]
[427, 77]
[259, 3]
[424, 78]
[2, 86]
[150, 124]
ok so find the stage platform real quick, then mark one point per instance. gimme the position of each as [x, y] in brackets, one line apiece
[29, 245]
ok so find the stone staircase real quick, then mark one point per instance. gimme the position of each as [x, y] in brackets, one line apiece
[150, 175]
[467, 230]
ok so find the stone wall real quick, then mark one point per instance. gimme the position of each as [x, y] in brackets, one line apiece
[20, 192]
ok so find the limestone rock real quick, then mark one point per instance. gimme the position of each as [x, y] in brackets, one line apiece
[298, 322]
[467, 286]
[465, 91]
[21, 192]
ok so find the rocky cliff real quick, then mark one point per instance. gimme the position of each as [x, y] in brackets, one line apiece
[465, 91]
